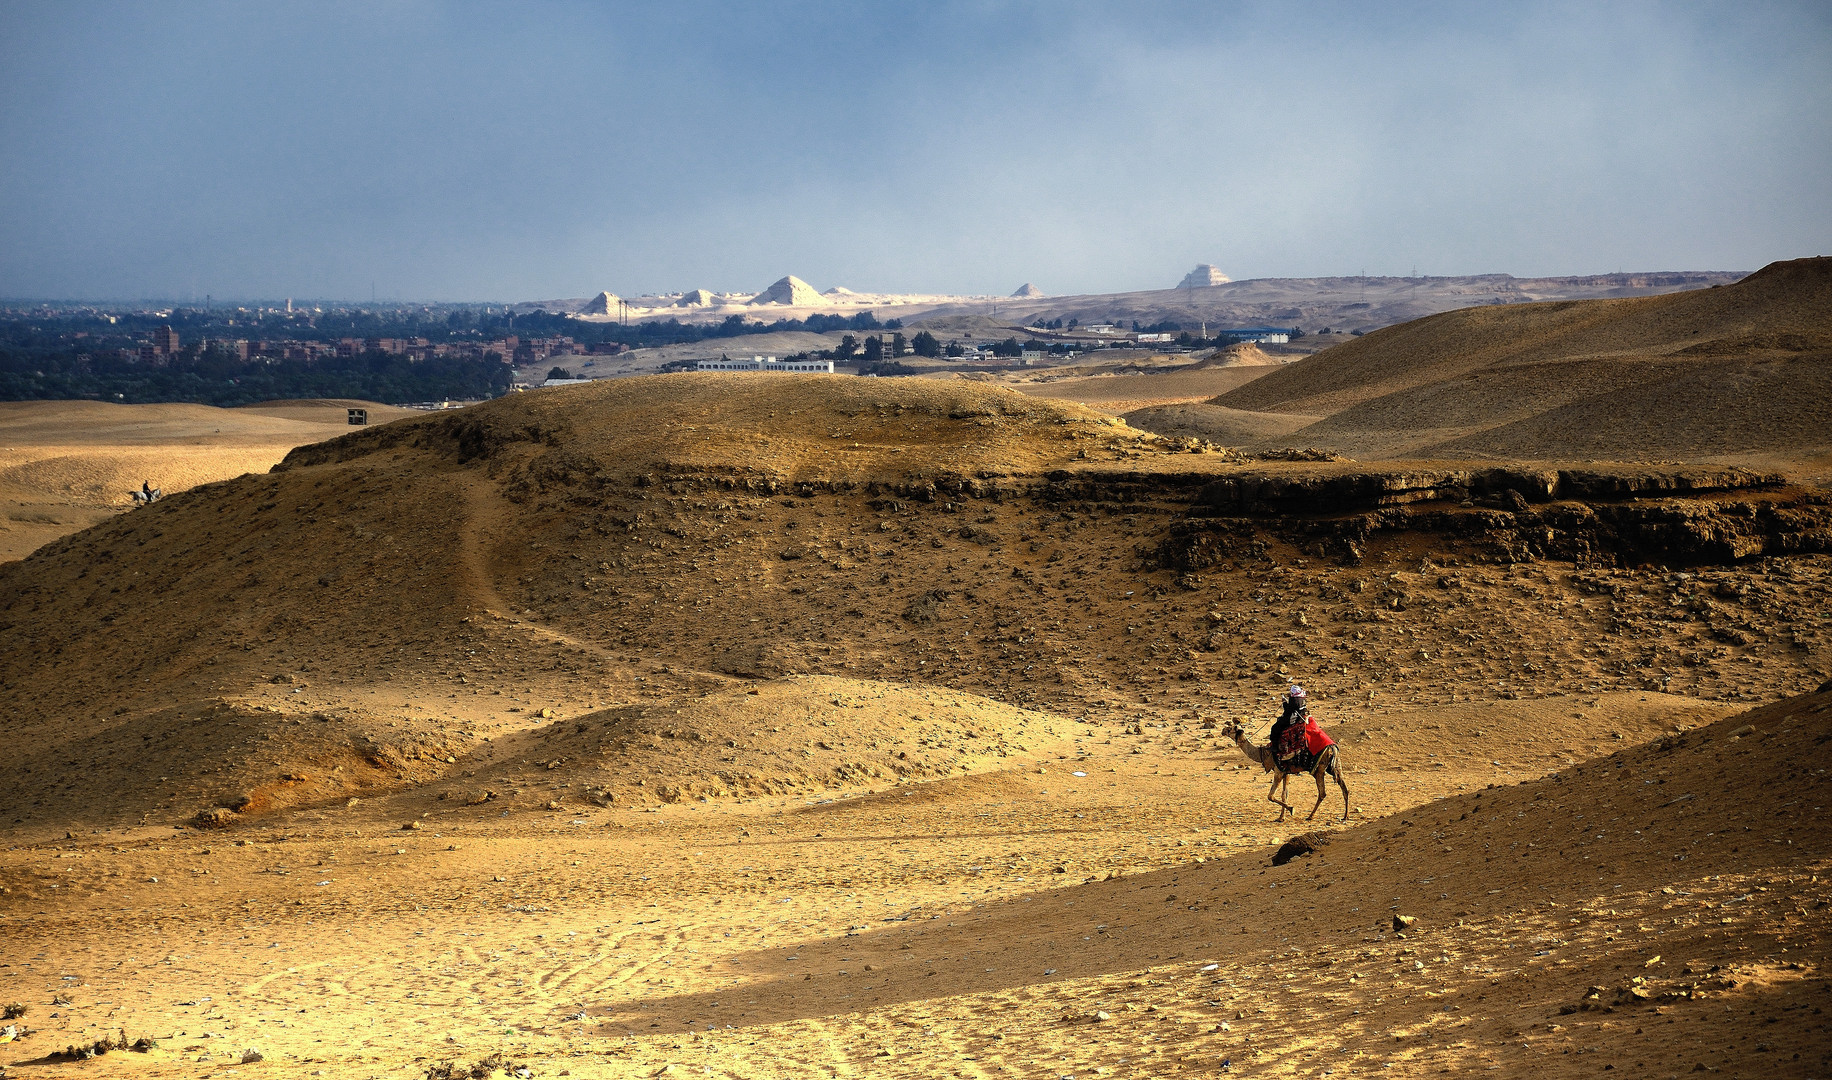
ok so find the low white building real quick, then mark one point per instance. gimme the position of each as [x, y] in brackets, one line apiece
[1259, 335]
[767, 363]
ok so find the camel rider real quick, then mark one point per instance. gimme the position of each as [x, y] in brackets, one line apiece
[1297, 712]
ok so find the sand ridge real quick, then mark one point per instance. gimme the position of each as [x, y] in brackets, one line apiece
[791, 736]
[1736, 368]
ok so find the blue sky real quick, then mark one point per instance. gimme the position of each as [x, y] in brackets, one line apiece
[473, 151]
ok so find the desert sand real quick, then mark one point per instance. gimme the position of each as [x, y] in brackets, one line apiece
[757, 726]
[66, 465]
[1738, 369]
[1126, 382]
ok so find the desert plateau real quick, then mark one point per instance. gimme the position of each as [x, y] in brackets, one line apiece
[756, 725]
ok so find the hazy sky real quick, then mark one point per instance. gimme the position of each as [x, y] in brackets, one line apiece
[527, 150]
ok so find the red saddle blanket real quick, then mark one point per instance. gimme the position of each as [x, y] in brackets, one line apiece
[1303, 742]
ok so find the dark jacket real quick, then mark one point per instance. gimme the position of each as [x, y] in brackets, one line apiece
[1295, 714]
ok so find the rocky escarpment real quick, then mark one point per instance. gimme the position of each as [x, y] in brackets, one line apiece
[1630, 516]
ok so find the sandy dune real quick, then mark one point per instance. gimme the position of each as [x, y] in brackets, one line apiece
[840, 727]
[1140, 381]
[1218, 424]
[1696, 374]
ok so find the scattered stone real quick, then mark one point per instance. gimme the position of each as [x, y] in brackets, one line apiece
[216, 817]
[1404, 922]
[1299, 845]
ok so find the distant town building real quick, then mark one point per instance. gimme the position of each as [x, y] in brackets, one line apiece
[1262, 335]
[767, 363]
[534, 350]
[1157, 337]
[237, 349]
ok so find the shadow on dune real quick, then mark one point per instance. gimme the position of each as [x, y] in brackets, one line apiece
[1509, 885]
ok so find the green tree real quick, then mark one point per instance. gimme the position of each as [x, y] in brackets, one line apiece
[899, 345]
[924, 344]
[874, 349]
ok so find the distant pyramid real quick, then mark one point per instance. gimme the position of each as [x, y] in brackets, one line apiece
[790, 290]
[839, 290]
[696, 298]
[1026, 291]
[1203, 275]
[603, 304]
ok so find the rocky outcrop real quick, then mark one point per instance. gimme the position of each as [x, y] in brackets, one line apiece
[1687, 529]
[1349, 491]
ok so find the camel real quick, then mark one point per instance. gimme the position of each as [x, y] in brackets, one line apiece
[1328, 762]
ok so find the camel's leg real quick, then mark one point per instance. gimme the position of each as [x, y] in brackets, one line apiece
[1335, 770]
[1275, 796]
[1318, 776]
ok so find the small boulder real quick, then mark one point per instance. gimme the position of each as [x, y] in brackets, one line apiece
[217, 817]
[1299, 845]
